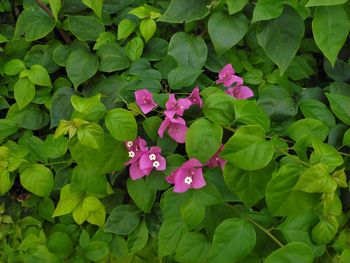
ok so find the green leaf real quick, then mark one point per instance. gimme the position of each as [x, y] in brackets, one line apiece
[267, 9]
[60, 244]
[182, 77]
[280, 38]
[225, 31]
[122, 220]
[88, 108]
[330, 28]
[203, 139]
[55, 148]
[137, 240]
[35, 23]
[125, 28]
[219, 108]
[247, 148]
[112, 58]
[248, 112]
[91, 203]
[148, 27]
[81, 66]
[249, 185]
[141, 194]
[290, 253]
[327, 154]
[134, 48]
[277, 103]
[234, 6]
[188, 50]
[299, 69]
[208, 195]
[170, 234]
[111, 156]
[6, 182]
[39, 76]
[307, 128]
[317, 110]
[55, 6]
[253, 76]
[316, 179]
[192, 213]
[61, 107]
[91, 135]
[24, 92]
[14, 67]
[151, 126]
[96, 250]
[325, 230]
[104, 38]
[226, 237]
[311, 3]
[281, 197]
[31, 117]
[121, 124]
[95, 5]
[37, 179]
[193, 248]
[85, 28]
[185, 11]
[68, 201]
[339, 105]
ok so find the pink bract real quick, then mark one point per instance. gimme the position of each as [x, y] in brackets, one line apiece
[227, 77]
[144, 99]
[177, 107]
[152, 160]
[216, 161]
[195, 98]
[240, 92]
[189, 175]
[176, 128]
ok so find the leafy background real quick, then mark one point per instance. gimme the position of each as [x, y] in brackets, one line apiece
[69, 71]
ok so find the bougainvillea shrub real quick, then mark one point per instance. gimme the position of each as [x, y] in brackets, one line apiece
[192, 131]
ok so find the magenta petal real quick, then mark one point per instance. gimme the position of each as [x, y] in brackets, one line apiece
[162, 163]
[195, 97]
[243, 92]
[182, 105]
[144, 99]
[178, 132]
[163, 126]
[135, 171]
[226, 71]
[170, 179]
[179, 181]
[171, 103]
[198, 179]
[145, 162]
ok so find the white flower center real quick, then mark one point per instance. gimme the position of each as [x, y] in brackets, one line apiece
[188, 180]
[156, 164]
[181, 107]
[152, 157]
[129, 144]
[131, 154]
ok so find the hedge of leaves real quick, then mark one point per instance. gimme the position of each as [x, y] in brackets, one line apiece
[174, 131]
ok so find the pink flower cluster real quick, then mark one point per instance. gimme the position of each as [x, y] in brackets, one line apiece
[143, 160]
[173, 123]
[227, 77]
[189, 176]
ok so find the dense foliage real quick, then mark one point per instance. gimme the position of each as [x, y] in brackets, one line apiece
[174, 131]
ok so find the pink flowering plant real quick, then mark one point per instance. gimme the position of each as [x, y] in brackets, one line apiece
[189, 131]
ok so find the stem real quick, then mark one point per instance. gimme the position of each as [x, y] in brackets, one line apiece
[229, 128]
[266, 231]
[62, 162]
[295, 158]
[48, 11]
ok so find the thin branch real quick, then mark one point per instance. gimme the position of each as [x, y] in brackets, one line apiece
[48, 11]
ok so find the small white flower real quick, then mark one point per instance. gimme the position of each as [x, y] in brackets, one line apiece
[152, 157]
[188, 180]
[131, 154]
[129, 144]
[156, 164]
